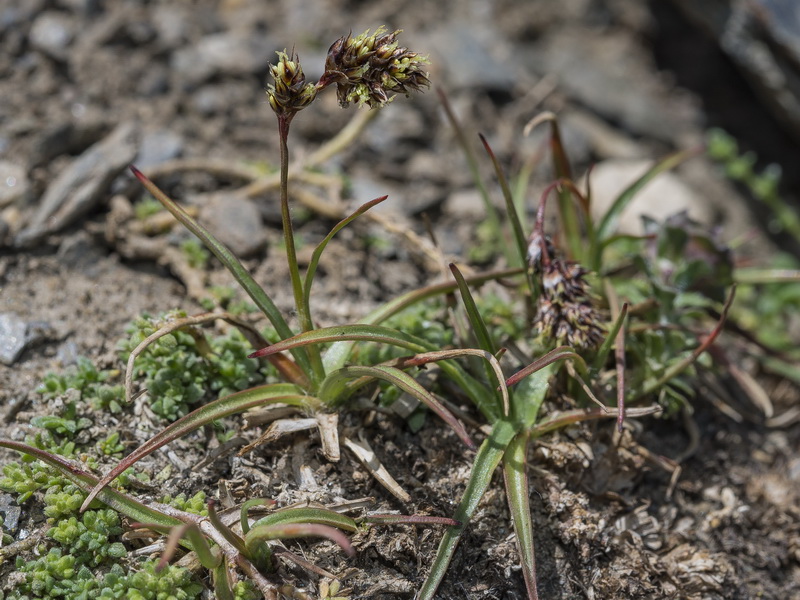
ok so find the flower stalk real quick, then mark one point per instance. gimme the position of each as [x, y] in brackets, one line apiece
[367, 69]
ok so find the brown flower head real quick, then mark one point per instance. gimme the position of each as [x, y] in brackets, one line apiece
[565, 311]
[289, 93]
[371, 69]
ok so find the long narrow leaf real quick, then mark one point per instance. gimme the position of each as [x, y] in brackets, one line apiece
[243, 519]
[473, 314]
[608, 343]
[516, 479]
[222, 585]
[438, 356]
[492, 214]
[314, 262]
[120, 502]
[570, 221]
[409, 520]
[757, 275]
[529, 396]
[405, 382]
[578, 415]
[229, 260]
[560, 353]
[226, 532]
[511, 210]
[280, 531]
[320, 516]
[619, 356]
[361, 333]
[196, 541]
[229, 405]
[489, 456]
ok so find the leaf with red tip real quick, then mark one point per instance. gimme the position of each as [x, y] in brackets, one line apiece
[262, 533]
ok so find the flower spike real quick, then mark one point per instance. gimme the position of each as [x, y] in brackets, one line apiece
[289, 93]
[371, 69]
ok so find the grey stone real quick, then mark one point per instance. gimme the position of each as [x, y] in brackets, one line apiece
[13, 337]
[236, 222]
[52, 33]
[611, 74]
[663, 197]
[157, 147]
[762, 38]
[230, 53]
[17, 334]
[470, 56]
[78, 251]
[15, 14]
[11, 512]
[81, 186]
[466, 203]
[14, 184]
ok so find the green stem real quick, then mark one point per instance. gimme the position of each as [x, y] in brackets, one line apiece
[291, 253]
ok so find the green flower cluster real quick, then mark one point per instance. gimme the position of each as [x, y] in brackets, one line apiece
[183, 367]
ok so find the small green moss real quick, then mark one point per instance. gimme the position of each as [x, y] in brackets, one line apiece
[197, 504]
[179, 372]
[111, 445]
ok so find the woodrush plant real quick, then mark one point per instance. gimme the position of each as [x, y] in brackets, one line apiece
[573, 334]
[368, 70]
[576, 332]
[660, 306]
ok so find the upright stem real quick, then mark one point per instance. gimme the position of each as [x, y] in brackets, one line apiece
[291, 253]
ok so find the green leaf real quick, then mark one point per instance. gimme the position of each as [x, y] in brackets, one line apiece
[362, 333]
[400, 379]
[570, 219]
[282, 531]
[492, 214]
[605, 347]
[555, 355]
[473, 314]
[489, 456]
[516, 479]
[320, 516]
[530, 394]
[229, 405]
[312, 264]
[511, 211]
[337, 355]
